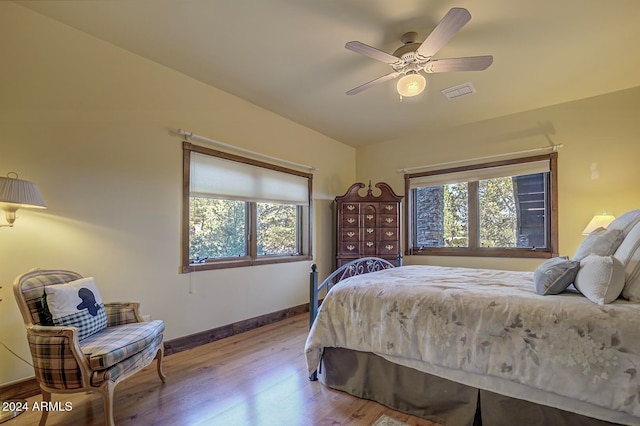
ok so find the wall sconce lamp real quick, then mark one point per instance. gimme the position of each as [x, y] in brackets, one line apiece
[17, 193]
[598, 221]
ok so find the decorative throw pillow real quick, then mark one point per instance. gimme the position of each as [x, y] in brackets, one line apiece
[554, 275]
[602, 242]
[626, 221]
[78, 304]
[629, 255]
[600, 278]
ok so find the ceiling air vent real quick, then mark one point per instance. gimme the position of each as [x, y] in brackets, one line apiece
[458, 91]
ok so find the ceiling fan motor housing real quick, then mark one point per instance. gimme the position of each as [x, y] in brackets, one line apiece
[407, 52]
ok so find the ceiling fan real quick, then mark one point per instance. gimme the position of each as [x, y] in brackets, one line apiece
[413, 57]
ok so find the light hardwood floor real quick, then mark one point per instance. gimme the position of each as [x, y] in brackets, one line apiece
[256, 378]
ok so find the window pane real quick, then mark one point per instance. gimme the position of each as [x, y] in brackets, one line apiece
[441, 216]
[497, 213]
[512, 211]
[277, 229]
[532, 207]
[217, 228]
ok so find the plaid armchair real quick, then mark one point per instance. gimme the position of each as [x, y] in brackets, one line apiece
[97, 363]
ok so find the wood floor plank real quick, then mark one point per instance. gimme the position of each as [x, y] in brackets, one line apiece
[256, 378]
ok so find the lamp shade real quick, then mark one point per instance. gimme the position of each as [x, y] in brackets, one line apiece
[18, 193]
[599, 221]
[411, 84]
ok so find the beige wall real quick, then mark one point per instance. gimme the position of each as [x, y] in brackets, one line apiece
[601, 132]
[89, 123]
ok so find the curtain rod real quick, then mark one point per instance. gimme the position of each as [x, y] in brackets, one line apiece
[192, 136]
[527, 151]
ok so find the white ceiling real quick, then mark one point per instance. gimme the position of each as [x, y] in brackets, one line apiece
[288, 56]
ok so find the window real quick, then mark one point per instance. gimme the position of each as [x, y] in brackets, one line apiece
[505, 208]
[241, 212]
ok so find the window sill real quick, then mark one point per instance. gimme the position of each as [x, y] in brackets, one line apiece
[484, 252]
[244, 262]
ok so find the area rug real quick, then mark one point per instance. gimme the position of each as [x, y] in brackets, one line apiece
[385, 420]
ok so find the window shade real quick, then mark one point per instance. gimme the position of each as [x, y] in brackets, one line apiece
[230, 180]
[518, 169]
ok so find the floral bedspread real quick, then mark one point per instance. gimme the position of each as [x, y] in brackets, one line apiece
[489, 324]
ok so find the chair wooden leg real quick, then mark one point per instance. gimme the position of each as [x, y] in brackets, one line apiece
[159, 357]
[107, 391]
[46, 397]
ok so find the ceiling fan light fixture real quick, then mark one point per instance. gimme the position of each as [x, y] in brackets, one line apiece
[411, 84]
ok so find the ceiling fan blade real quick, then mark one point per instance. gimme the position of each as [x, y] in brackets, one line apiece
[372, 52]
[452, 22]
[378, 80]
[471, 63]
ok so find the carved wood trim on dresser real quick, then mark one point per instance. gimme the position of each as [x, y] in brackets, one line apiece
[368, 225]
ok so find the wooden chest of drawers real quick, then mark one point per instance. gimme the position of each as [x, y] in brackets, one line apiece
[368, 225]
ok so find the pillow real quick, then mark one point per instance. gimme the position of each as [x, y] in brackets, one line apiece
[602, 242]
[600, 278]
[626, 221]
[629, 255]
[554, 275]
[78, 304]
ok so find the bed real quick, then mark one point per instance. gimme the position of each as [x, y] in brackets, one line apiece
[478, 346]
